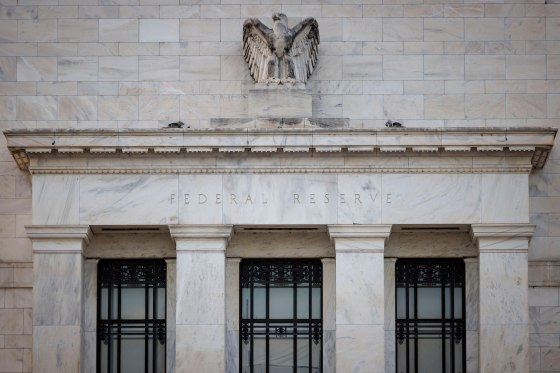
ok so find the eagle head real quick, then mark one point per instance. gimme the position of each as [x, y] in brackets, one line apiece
[280, 17]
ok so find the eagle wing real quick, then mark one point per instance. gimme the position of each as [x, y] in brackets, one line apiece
[256, 50]
[305, 48]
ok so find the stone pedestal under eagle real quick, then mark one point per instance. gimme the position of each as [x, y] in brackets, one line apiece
[281, 54]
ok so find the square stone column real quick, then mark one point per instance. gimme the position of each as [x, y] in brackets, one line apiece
[232, 316]
[58, 297]
[201, 297]
[360, 297]
[329, 315]
[503, 296]
[390, 333]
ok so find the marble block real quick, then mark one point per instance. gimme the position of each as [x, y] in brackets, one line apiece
[56, 349]
[200, 348]
[360, 348]
[57, 289]
[512, 356]
[280, 102]
[359, 288]
[201, 288]
[504, 290]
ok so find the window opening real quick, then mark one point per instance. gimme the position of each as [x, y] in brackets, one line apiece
[430, 316]
[281, 316]
[131, 309]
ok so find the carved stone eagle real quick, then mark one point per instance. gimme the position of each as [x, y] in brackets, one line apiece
[281, 54]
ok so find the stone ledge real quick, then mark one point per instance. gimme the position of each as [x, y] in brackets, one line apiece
[43, 142]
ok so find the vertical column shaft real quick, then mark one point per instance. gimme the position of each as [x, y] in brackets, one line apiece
[58, 296]
[360, 295]
[329, 315]
[503, 297]
[200, 297]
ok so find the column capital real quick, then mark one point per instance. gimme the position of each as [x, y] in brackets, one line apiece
[359, 231]
[194, 231]
[207, 237]
[502, 237]
[502, 230]
[50, 234]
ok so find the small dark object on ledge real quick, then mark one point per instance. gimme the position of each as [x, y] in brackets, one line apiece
[390, 123]
[177, 124]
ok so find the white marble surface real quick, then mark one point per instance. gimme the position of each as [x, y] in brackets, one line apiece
[505, 198]
[389, 266]
[200, 199]
[57, 294]
[295, 198]
[512, 355]
[232, 351]
[55, 199]
[112, 199]
[362, 199]
[279, 199]
[390, 351]
[200, 288]
[200, 348]
[360, 348]
[431, 198]
[90, 295]
[56, 349]
[329, 351]
[504, 289]
[276, 103]
[359, 288]
[329, 294]
[89, 347]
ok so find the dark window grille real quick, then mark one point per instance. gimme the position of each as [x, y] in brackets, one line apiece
[430, 316]
[131, 309]
[281, 316]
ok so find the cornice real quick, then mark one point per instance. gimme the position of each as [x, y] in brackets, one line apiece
[29, 143]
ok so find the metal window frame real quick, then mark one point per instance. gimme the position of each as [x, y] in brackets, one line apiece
[285, 271]
[440, 273]
[113, 274]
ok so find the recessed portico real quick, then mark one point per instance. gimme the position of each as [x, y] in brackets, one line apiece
[354, 199]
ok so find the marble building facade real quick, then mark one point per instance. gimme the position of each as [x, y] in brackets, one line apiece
[89, 172]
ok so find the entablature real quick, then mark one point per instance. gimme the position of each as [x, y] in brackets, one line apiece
[532, 143]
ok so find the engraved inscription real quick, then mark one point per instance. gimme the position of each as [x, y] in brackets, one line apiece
[357, 199]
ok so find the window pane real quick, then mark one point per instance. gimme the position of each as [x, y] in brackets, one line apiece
[429, 353]
[281, 303]
[429, 303]
[132, 354]
[303, 303]
[133, 303]
[259, 303]
[281, 355]
[316, 303]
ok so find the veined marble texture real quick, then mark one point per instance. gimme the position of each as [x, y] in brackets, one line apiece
[57, 295]
[279, 199]
[433, 198]
[201, 289]
[360, 289]
[504, 293]
[122, 199]
[287, 199]
[55, 199]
